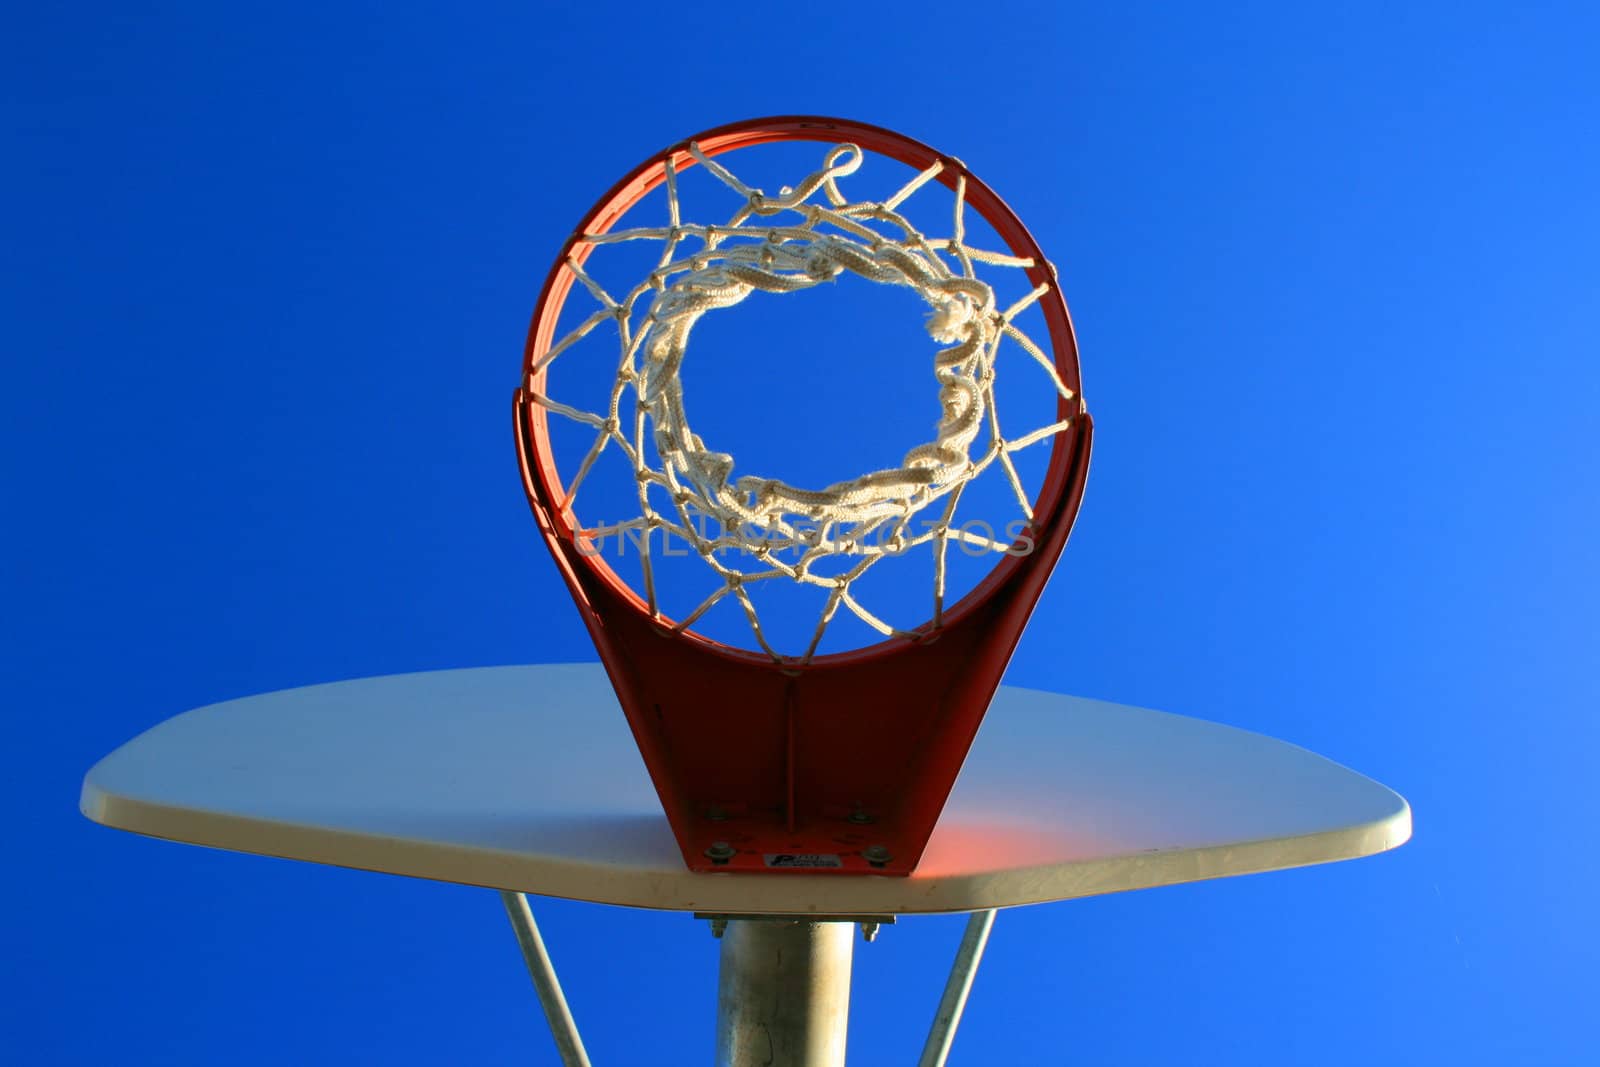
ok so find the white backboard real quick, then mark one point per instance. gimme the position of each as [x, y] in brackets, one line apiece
[526, 778]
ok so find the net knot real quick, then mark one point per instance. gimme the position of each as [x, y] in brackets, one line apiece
[822, 266]
[952, 320]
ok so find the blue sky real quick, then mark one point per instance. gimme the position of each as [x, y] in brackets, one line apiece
[1334, 275]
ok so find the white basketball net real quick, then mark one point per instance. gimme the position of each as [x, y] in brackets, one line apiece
[778, 244]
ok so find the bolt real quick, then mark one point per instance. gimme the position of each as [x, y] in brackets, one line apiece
[876, 855]
[717, 928]
[721, 852]
[859, 816]
[869, 932]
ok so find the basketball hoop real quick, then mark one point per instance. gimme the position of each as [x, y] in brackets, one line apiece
[810, 762]
[772, 759]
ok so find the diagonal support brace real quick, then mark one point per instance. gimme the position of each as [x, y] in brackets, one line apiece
[954, 1001]
[562, 1026]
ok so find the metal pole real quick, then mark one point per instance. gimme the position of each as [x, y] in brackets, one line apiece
[562, 1026]
[943, 1032]
[783, 999]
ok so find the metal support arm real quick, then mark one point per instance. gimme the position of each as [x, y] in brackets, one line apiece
[562, 1026]
[954, 1001]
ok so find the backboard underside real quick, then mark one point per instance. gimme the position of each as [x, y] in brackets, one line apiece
[527, 778]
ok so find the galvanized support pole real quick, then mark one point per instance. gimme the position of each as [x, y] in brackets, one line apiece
[954, 1001]
[783, 999]
[562, 1026]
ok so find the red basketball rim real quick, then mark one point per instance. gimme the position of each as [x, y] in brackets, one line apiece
[844, 760]
[648, 176]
